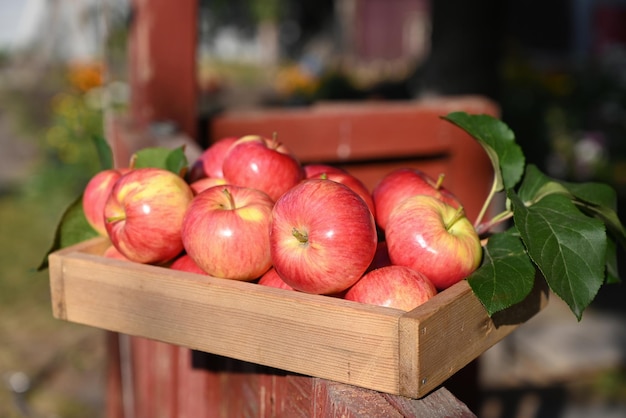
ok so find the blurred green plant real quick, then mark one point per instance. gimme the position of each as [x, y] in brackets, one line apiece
[60, 119]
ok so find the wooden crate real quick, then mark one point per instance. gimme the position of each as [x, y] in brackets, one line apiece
[379, 348]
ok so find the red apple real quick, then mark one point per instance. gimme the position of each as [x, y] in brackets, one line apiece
[262, 163]
[353, 183]
[210, 162]
[323, 237]
[112, 252]
[226, 232]
[205, 183]
[272, 279]
[186, 263]
[95, 196]
[312, 170]
[144, 214]
[434, 238]
[392, 286]
[401, 183]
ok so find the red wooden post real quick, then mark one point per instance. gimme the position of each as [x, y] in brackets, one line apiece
[162, 48]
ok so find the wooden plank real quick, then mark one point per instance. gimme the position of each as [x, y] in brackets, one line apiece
[315, 335]
[355, 131]
[373, 347]
[452, 333]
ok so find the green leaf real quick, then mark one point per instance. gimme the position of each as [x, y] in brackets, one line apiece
[612, 274]
[594, 199]
[173, 160]
[72, 229]
[105, 155]
[499, 143]
[536, 185]
[568, 247]
[507, 274]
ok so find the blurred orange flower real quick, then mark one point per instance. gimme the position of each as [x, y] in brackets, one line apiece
[85, 75]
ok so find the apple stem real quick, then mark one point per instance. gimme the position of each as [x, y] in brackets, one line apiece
[485, 227]
[229, 195]
[303, 238]
[115, 219]
[440, 181]
[458, 215]
[274, 144]
[483, 211]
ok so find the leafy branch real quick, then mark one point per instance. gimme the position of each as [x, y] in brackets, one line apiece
[567, 232]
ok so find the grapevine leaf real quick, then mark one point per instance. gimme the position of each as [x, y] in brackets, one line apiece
[507, 274]
[72, 229]
[499, 143]
[173, 160]
[568, 247]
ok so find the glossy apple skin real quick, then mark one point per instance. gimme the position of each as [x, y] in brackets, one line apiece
[272, 279]
[353, 183]
[144, 214]
[341, 237]
[210, 162]
[434, 238]
[401, 183]
[206, 183]
[95, 196]
[229, 239]
[261, 163]
[186, 263]
[392, 286]
[112, 252]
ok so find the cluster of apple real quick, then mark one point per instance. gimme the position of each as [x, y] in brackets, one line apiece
[249, 210]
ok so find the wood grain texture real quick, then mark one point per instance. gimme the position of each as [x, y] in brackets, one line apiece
[224, 387]
[382, 349]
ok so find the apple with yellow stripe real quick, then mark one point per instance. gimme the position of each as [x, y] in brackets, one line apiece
[144, 214]
[226, 232]
[430, 236]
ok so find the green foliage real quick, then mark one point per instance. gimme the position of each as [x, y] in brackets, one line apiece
[172, 160]
[506, 275]
[567, 231]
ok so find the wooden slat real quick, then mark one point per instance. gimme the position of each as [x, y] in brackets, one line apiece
[452, 333]
[314, 335]
[378, 348]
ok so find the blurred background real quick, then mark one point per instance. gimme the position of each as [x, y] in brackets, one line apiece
[557, 70]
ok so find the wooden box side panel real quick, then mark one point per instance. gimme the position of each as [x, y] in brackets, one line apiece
[452, 331]
[319, 336]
